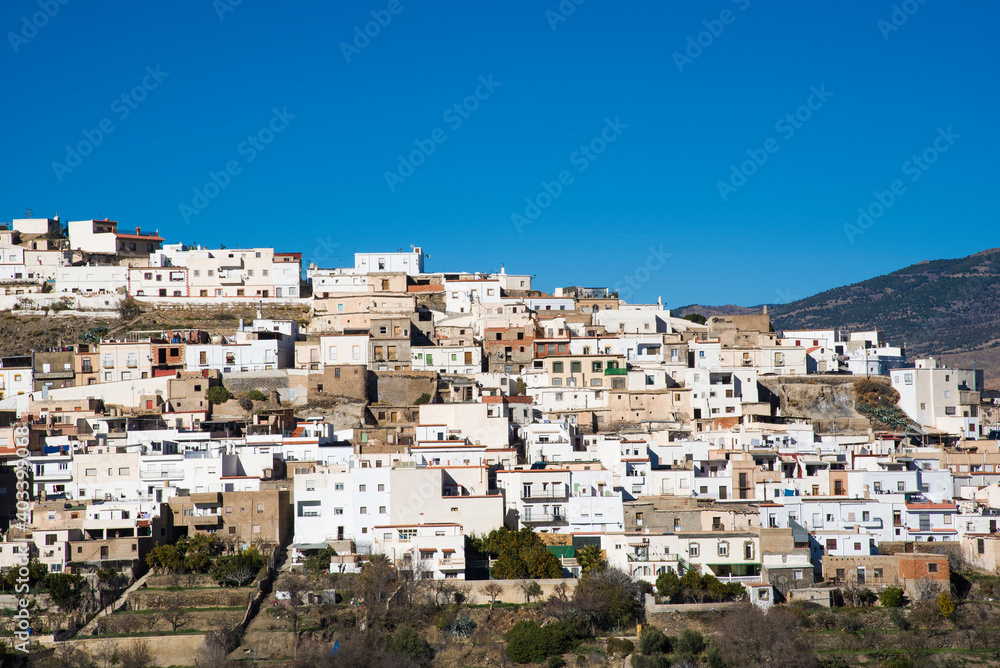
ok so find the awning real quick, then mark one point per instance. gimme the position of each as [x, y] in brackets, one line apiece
[448, 549]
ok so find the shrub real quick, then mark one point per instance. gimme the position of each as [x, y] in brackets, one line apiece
[256, 395]
[653, 641]
[654, 661]
[462, 627]
[900, 621]
[945, 605]
[527, 643]
[867, 597]
[408, 642]
[620, 647]
[714, 657]
[891, 597]
[218, 394]
[239, 569]
[555, 662]
[691, 642]
[422, 399]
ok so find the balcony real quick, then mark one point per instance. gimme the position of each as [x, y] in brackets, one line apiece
[161, 474]
[543, 518]
[739, 579]
[204, 520]
[657, 557]
[451, 564]
[559, 492]
[613, 371]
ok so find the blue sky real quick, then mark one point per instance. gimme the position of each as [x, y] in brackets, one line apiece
[310, 129]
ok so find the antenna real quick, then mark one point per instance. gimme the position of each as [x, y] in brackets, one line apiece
[29, 213]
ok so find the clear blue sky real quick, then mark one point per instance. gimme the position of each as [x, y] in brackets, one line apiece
[320, 185]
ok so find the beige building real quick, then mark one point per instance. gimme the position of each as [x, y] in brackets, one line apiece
[247, 518]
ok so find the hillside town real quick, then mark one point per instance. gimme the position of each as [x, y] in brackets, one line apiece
[410, 411]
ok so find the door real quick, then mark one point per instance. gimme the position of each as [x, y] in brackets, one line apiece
[468, 358]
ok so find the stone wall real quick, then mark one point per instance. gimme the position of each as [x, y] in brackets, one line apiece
[401, 388]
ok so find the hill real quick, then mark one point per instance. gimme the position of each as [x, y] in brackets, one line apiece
[946, 308]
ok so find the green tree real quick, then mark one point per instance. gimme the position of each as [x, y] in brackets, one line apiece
[408, 642]
[591, 558]
[218, 394]
[520, 387]
[239, 569]
[668, 585]
[691, 643]
[166, 558]
[520, 555]
[256, 395]
[696, 318]
[320, 562]
[891, 597]
[527, 642]
[67, 590]
[653, 641]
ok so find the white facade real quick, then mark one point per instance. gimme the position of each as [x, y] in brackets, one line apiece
[411, 263]
[96, 279]
[447, 359]
[939, 397]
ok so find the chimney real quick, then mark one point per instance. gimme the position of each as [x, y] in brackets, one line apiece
[765, 309]
[136, 231]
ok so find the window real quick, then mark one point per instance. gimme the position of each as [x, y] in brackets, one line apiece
[339, 486]
[123, 471]
[338, 511]
[575, 367]
[723, 549]
[557, 367]
[932, 568]
[362, 488]
[363, 510]
[693, 549]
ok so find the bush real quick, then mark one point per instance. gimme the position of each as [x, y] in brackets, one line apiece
[256, 395]
[945, 605]
[408, 642]
[239, 569]
[891, 597]
[655, 661]
[218, 394]
[867, 597]
[691, 642]
[528, 642]
[620, 647]
[653, 641]
[422, 399]
[462, 627]
[900, 621]
[555, 662]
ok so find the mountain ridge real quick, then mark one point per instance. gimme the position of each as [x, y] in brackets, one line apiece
[949, 308]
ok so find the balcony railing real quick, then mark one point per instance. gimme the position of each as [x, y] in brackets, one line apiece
[652, 557]
[557, 493]
[161, 474]
[451, 563]
[739, 579]
[539, 518]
